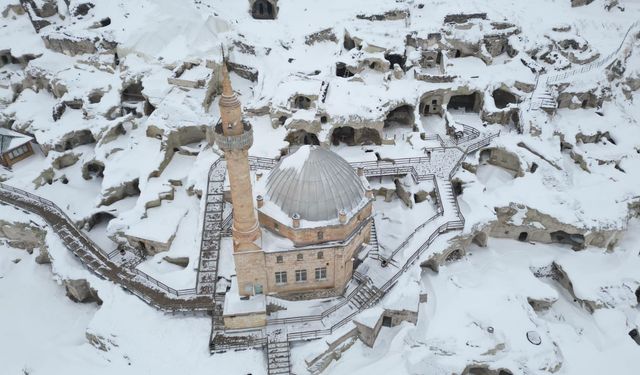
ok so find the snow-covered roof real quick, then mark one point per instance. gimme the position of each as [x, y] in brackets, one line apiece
[10, 140]
[233, 305]
[369, 317]
[316, 184]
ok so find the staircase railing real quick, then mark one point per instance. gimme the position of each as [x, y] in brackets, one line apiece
[596, 64]
[84, 242]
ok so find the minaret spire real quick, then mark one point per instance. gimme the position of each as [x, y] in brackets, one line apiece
[227, 90]
[230, 108]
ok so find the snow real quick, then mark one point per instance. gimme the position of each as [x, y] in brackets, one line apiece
[137, 337]
[234, 305]
[370, 317]
[488, 288]
[296, 160]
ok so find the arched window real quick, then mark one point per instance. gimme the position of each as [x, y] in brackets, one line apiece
[320, 255]
[299, 257]
[279, 259]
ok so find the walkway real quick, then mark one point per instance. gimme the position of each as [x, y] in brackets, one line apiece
[101, 263]
[377, 274]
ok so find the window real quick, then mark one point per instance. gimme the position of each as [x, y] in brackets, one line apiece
[320, 255]
[321, 273]
[299, 257]
[281, 277]
[301, 276]
[18, 152]
[320, 235]
[279, 259]
[276, 226]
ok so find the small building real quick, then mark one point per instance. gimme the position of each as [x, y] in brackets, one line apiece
[14, 147]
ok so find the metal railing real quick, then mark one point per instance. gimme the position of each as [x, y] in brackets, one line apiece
[322, 315]
[77, 241]
[163, 286]
[595, 64]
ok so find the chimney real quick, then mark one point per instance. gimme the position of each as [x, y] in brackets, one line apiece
[342, 216]
[260, 201]
[296, 220]
[369, 193]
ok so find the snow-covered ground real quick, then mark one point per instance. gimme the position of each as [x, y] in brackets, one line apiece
[147, 170]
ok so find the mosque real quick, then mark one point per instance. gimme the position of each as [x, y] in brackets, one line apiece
[298, 232]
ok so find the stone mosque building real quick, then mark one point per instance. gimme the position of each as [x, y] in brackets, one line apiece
[298, 232]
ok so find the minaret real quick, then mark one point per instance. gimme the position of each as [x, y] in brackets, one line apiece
[235, 137]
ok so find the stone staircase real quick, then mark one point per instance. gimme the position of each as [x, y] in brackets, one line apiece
[449, 200]
[278, 356]
[366, 296]
[226, 226]
[374, 253]
[544, 100]
[217, 321]
[211, 230]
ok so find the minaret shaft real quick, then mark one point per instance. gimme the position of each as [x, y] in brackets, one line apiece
[235, 138]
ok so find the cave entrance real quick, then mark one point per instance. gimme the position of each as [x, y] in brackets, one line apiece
[468, 103]
[348, 42]
[133, 93]
[367, 136]
[343, 134]
[263, 10]
[99, 218]
[95, 169]
[343, 71]
[351, 136]
[523, 236]
[454, 255]
[393, 59]
[302, 137]
[480, 239]
[401, 116]
[635, 335]
[503, 98]
[430, 105]
[142, 246]
[485, 156]
[386, 321]
[302, 102]
[5, 59]
[562, 237]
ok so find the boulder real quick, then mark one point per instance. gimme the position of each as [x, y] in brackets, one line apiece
[23, 236]
[80, 291]
[65, 160]
[178, 261]
[43, 256]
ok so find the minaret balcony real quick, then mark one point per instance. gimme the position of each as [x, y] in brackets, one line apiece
[234, 142]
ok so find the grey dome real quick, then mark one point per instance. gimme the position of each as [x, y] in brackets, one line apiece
[315, 183]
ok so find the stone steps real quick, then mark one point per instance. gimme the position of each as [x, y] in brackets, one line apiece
[278, 358]
[212, 231]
